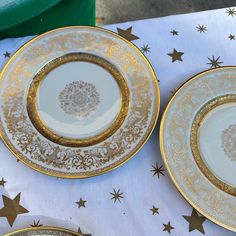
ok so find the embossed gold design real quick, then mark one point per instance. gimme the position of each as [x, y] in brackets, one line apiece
[208, 107]
[79, 99]
[56, 160]
[229, 142]
[175, 127]
[32, 107]
[43, 231]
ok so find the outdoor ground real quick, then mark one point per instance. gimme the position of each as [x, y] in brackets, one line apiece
[114, 11]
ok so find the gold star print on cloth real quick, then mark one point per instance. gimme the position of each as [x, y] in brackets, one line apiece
[127, 34]
[201, 29]
[36, 224]
[81, 203]
[2, 182]
[154, 210]
[231, 37]
[12, 208]
[195, 221]
[174, 32]
[116, 195]
[138, 198]
[157, 170]
[214, 62]
[175, 55]
[145, 49]
[168, 227]
[231, 12]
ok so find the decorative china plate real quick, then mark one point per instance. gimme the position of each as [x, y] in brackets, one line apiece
[77, 102]
[43, 231]
[198, 143]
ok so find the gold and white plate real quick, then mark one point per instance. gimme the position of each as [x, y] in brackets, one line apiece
[43, 231]
[198, 143]
[77, 102]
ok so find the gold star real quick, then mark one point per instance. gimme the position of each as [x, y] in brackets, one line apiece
[154, 210]
[195, 221]
[116, 195]
[80, 232]
[2, 182]
[81, 203]
[201, 28]
[168, 227]
[174, 32]
[214, 62]
[176, 56]
[6, 54]
[12, 208]
[231, 12]
[36, 224]
[232, 37]
[127, 34]
[158, 170]
[145, 48]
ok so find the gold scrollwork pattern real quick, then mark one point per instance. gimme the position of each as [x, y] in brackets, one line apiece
[44, 231]
[209, 106]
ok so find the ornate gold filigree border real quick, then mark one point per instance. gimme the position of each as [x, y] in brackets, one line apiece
[166, 159]
[26, 231]
[32, 106]
[209, 106]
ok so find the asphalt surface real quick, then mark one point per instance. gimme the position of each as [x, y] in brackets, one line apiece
[115, 11]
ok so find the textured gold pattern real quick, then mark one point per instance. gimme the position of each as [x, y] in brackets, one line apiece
[57, 160]
[79, 99]
[32, 107]
[43, 231]
[208, 107]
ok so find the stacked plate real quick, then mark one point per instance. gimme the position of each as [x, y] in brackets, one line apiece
[43, 231]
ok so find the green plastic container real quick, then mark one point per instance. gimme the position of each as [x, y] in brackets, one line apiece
[30, 17]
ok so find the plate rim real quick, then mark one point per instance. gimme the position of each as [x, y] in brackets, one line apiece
[132, 154]
[164, 156]
[63, 230]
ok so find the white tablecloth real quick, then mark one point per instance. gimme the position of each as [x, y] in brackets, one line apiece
[202, 41]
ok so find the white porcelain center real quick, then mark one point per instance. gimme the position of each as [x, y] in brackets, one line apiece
[78, 100]
[217, 142]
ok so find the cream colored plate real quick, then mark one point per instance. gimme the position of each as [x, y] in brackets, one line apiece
[43, 231]
[77, 102]
[198, 143]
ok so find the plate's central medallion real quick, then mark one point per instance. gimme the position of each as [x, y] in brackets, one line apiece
[229, 141]
[79, 99]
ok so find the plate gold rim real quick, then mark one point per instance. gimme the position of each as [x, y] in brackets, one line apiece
[63, 230]
[194, 143]
[33, 90]
[163, 154]
[131, 154]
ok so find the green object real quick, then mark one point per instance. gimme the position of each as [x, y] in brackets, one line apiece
[30, 17]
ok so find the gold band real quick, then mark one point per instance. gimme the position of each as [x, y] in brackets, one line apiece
[26, 231]
[229, 98]
[32, 107]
